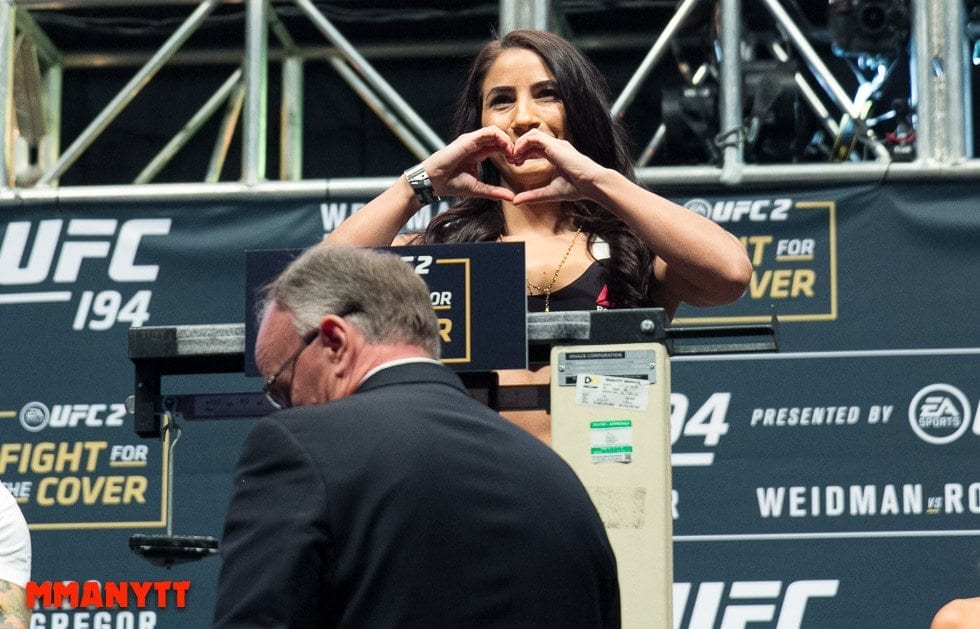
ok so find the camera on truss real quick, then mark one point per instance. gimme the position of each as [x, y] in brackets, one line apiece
[869, 27]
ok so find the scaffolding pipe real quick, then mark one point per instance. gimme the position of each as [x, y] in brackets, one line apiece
[516, 14]
[233, 56]
[809, 94]
[652, 146]
[222, 143]
[813, 59]
[129, 91]
[943, 114]
[921, 83]
[291, 120]
[8, 31]
[290, 102]
[256, 92]
[783, 175]
[956, 104]
[50, 145]
[188, 131]
[730, 90]
[370, 76]
[281, 32]
[662, 178]
[629, 92]
[380, 109]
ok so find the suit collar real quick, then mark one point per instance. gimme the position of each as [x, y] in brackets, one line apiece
[412, 373]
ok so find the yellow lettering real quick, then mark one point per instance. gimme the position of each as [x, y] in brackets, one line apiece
[780, 283]
[113, 489]
[72, 459]
[42, 459]
[803, 281]
[90, 490]
[94, 448]
[757, 246]
[759, 284]
[47, 457]
[68, 491]
[42, 491]
[135, 489]
[9, 454]
[445, 328]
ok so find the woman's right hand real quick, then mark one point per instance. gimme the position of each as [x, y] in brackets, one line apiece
[454, 169]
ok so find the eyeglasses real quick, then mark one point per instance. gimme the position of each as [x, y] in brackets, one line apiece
[282, 398]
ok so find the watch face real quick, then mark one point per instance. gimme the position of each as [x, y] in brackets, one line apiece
[418, 177]
[420, 181]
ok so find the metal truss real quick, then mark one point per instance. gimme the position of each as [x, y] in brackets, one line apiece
[937, 83]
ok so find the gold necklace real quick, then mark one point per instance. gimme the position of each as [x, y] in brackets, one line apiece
[554, 278]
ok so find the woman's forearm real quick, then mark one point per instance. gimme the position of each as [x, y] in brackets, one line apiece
[712, 264]
[377, 223]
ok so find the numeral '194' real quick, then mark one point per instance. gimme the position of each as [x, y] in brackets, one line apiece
[102, 310]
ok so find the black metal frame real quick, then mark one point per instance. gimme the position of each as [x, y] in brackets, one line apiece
[158, 351]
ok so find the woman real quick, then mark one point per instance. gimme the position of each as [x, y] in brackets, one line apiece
[538, 159]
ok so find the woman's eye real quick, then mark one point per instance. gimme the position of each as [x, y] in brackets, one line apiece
[498, 101]
[549, 94]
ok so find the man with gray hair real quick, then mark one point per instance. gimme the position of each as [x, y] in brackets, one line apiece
[382, 495]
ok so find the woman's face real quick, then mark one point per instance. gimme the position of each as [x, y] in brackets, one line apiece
[520, 94]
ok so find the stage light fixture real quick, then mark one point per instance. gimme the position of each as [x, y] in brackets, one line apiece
[869, 27]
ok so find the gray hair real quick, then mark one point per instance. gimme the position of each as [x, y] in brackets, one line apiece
[386, 300]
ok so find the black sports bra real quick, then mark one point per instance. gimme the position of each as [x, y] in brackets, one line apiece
[587, 292]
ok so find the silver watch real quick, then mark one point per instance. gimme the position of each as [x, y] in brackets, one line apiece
[419, 180]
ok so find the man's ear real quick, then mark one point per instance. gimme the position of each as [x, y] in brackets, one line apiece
[333, 334]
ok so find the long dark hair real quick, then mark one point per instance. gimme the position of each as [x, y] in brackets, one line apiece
[591, 129]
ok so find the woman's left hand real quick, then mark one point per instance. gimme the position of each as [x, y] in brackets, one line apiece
[696, 260]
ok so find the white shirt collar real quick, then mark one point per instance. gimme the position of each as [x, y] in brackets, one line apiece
[397, 362]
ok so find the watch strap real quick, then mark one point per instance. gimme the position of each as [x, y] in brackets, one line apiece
[421, 184]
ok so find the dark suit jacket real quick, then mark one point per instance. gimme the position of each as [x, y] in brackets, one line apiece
[409, 504]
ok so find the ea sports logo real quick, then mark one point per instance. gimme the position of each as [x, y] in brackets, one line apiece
[700, 206]
[939, 414]
[34, 416]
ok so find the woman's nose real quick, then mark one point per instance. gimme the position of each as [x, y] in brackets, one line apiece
[525, 117]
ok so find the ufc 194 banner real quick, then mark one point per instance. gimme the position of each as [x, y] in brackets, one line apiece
[835, 483]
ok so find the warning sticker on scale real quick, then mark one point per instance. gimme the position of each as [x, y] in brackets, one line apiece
[611, 441]
[611, 392]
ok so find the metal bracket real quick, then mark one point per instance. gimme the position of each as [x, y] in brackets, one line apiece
[157, 351]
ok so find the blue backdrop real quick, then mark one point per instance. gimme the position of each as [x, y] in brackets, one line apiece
[836, 483]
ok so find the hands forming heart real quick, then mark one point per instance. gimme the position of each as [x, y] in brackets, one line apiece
[454, 169]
